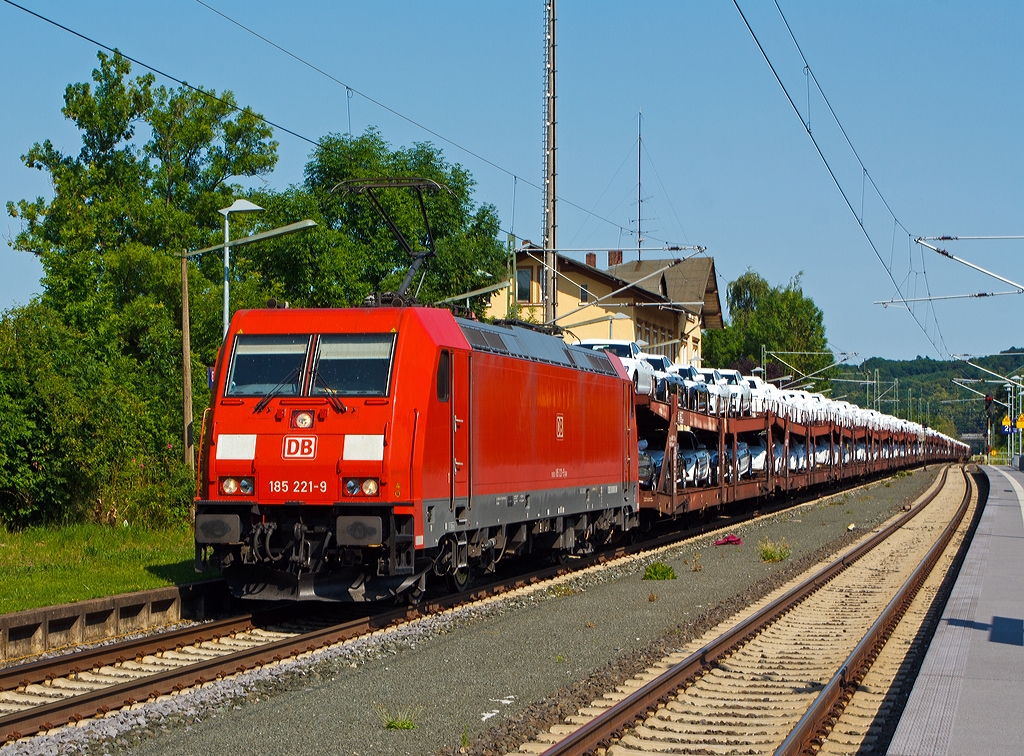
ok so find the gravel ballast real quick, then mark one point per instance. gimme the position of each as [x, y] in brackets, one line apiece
[483, 679]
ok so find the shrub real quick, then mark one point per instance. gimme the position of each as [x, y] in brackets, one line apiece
[659, 571]
[398, 720]
[774, 552]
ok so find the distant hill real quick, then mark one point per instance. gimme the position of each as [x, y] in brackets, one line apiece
[927, 392]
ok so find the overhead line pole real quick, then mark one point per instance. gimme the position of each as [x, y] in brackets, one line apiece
[550, 287]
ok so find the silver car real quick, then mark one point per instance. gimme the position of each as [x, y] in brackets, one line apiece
[698, 398]
[697, 457]
[667, 382]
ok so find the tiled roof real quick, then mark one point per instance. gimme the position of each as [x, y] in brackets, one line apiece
[692, 282]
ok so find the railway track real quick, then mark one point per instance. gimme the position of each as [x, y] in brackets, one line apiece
[47, 694]
[777, 681]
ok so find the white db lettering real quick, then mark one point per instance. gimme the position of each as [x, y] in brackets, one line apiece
[299, 447]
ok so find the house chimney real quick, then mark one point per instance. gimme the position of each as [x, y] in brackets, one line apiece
[614, 257]
[592, 259]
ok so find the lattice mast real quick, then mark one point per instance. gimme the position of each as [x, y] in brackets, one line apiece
[548, 280]
[639, 194]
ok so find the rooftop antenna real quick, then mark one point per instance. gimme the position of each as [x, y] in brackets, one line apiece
[639, 196]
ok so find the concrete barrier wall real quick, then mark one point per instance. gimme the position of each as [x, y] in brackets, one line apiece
[36, 631]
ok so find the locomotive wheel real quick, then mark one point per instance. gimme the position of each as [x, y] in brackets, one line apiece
[458, 580]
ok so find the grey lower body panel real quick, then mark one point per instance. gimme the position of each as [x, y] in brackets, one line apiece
[440, 518]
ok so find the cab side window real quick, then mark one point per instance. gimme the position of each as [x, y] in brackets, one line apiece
[443, 375]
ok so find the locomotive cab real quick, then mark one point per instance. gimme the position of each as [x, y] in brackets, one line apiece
[297, 498]
[348, 453]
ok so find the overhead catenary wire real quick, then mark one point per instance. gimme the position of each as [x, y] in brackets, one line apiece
[285, 129]
[176, 80]
[407, 119]
[859, 217]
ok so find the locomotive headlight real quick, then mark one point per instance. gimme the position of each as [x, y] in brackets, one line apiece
[229, 486]
[302, 419]
[245, 486]
[370, 487]
[352, 486]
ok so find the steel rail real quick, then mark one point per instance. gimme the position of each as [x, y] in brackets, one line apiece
[81, 706]
[30, 721]
[810, 730]
[622, 715]
[78, 661]
[99, 702]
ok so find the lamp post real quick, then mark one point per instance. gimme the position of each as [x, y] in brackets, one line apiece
[238, 206]
[186, 340]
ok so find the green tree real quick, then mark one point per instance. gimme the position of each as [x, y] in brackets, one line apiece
[781, 318]
[91, 373]
[352, 253]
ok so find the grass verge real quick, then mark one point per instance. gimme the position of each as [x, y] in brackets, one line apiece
[47, 566]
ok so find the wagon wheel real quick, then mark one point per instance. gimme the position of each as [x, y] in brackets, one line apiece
[458, 580]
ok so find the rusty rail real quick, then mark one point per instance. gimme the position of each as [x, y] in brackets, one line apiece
[30, 721]
[622, 715]
[810, 730]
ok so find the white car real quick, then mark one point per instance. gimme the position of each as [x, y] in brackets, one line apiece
[629, 353]
[740, 391]
[762, 395]
[720, 397]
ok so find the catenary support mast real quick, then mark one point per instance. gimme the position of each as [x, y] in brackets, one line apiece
[548, 279]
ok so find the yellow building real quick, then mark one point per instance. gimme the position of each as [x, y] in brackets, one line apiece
[663, 310]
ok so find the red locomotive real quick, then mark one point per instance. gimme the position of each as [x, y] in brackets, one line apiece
[350, 453]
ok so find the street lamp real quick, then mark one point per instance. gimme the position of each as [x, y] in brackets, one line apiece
[238, 206]
[186, 345]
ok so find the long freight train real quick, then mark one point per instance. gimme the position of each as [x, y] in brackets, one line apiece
[349, 454]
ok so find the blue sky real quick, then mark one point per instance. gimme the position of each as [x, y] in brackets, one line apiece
[928, 92]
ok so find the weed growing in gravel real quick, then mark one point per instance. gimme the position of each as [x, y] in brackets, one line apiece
[561, 590]
[696, 566]
[774, 552]
[399, 719]
[659, 571]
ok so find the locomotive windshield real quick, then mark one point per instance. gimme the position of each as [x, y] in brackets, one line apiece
[267, 363]
[353, 364]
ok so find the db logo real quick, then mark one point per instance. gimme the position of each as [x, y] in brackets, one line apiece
[559, 426]
[299, 447]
